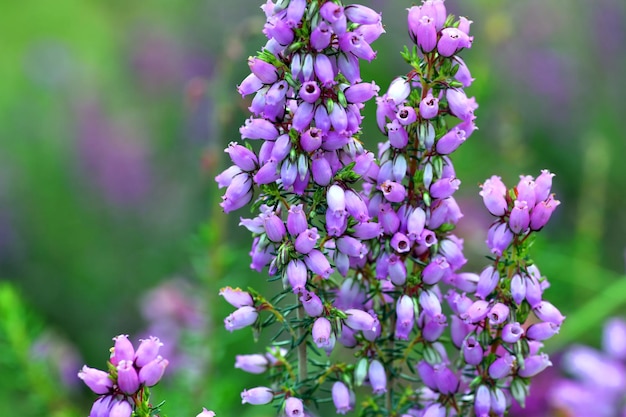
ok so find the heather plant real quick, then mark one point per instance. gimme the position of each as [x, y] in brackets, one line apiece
[369, 307]
[372, 290]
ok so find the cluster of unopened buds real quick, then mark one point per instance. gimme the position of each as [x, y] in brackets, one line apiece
[365, 241]
[123, 389]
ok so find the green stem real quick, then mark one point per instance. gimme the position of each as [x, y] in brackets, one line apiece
[302, 354]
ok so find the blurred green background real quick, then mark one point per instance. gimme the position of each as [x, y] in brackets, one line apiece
[113, 117]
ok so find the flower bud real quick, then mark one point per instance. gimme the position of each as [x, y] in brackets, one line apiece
[297, 275]
[429, 106]
[377, 377]
[257, 396]
[151, 374]
[294, 407]
[318, 264]
[542, 331]
[512, 332]
[502, 366]
[98, 381]
[148, 350]
[405, 317]
[393, 191]
[235, 297]
[543, 184]
[482, 401]
[359, 320]
[306, 241]
[447, 382]
[493, 193]
[477, 311]
[499, 237]
[264, 71]
[321, 332]
[472, 351]
[206, 413]
[487, 282]
[546, 311]
[120, 408]
[518, 289]
[435, 270]
[122, 350]
[312, 304]
[341, 394]
[274, 227]
[541, 213]
[296, 220]
[127, 378]
[533, 365]
[240, 318]
[254, 364]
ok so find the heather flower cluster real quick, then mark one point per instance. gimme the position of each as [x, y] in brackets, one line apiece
[123, 389]
[363, 243]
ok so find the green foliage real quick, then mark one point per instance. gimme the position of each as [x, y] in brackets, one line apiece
[27, 376]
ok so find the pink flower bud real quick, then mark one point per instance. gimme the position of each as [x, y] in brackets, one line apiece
[254, 364]
[318, 264]
[321, 332]
[502, 366]
[487, 282]
[472, 351]
[151, 374]
[429, 106]
[236, 297]
[120, 408]
[258, 129]
[297, 275]
[206, 413]
[393, 191]
[540, 214]
[498, 314]
[477, 311]
[294, 407]
[377, 377]
[98, 381]
[240, 318]
[265, 71]
[546, 311]
[359, 320]
[405, 317]
[257, 396]
[533, 365]
[542, 331]
[341, 396]
[123, 349]
[148, 350]
[127, 378]
[482, 403]
[512, 332]
[493, 193]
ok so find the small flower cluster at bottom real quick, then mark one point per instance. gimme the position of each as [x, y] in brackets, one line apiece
[123, 388]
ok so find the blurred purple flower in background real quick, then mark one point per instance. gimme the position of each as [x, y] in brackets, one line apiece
[112, 158]
[62, 356]
[586, 381]
[172, 311]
